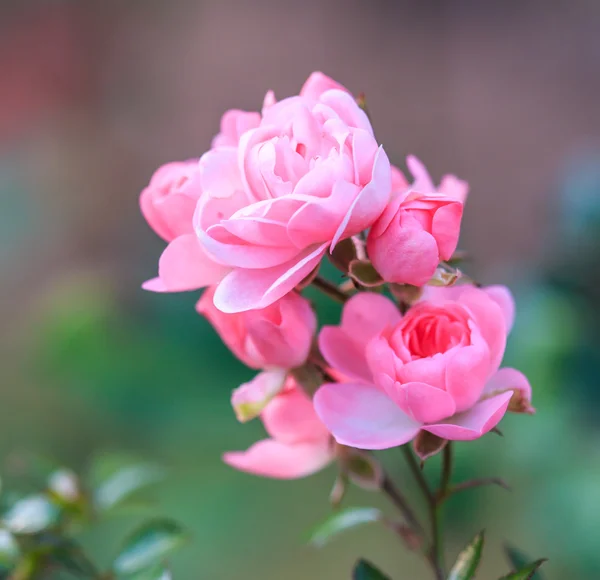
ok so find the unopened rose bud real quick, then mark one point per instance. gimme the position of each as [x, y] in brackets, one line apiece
[249, 399]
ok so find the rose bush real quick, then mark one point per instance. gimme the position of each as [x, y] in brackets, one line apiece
[435, 368]
[252, 219]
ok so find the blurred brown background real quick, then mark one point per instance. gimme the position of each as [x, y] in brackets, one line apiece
[95, 95]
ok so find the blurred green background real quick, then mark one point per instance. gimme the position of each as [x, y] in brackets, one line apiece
[95, 95]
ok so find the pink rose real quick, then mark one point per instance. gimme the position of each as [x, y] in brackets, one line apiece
[435, 368]
[299, 444]
[278, 336]
[418, 228]
[168, 204]
[308, 176]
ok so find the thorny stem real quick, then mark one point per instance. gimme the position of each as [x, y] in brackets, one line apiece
[330, 289]
[435, 554]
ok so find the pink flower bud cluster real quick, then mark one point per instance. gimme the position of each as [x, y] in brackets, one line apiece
[251, 221]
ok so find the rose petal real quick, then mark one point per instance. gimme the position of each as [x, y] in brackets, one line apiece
[362, 416]
[366, 314]
[291, 418]
[219, 173]
[454, 187]
[473, 423]
[344, 353]
[346, 108]
[422, 181]
[426, 404]
[184, 265]
[430, 370]
[235, 252]
[169, 216]
[317, 83]
[508, 379]
[269, 458]
[502, 296]
[405, 255]
[445, 228]
[490, 320]
[244, 289]
[370, 203]
[286, 340]
[467, 369]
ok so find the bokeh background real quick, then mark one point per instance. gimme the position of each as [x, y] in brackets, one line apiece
[95, 95]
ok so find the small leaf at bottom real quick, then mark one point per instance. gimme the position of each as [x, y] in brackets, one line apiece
[149, 546]
[466, 564]
[343, 520]
[519, 560]
[527, 573]
[366, 571]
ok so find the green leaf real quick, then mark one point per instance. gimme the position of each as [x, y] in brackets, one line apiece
[527, 573]
[156, 573]
[68, 555]
[519, 560]
[118, 478]
[341, 521]
[31, 515]
[9, 549]
[466, 564]
[366, 571]
[149, 546]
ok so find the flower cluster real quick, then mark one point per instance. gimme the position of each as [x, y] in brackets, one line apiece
[418, 348]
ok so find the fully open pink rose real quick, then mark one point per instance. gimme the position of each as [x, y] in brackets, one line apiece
[278, 336]
[435, 368]
[310, 174]
[419, 227]
[299, 444]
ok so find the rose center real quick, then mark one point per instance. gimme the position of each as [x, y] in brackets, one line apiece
[428, 330]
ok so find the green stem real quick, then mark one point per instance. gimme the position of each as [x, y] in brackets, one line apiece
[447, 460]
[416, 471]
[435, 555]
[25, 570]
[330, 289]
[398, 499]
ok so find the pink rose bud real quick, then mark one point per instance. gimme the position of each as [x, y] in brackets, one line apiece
[278, 336]
[435, 368]
[419, 228]
[298, 443]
